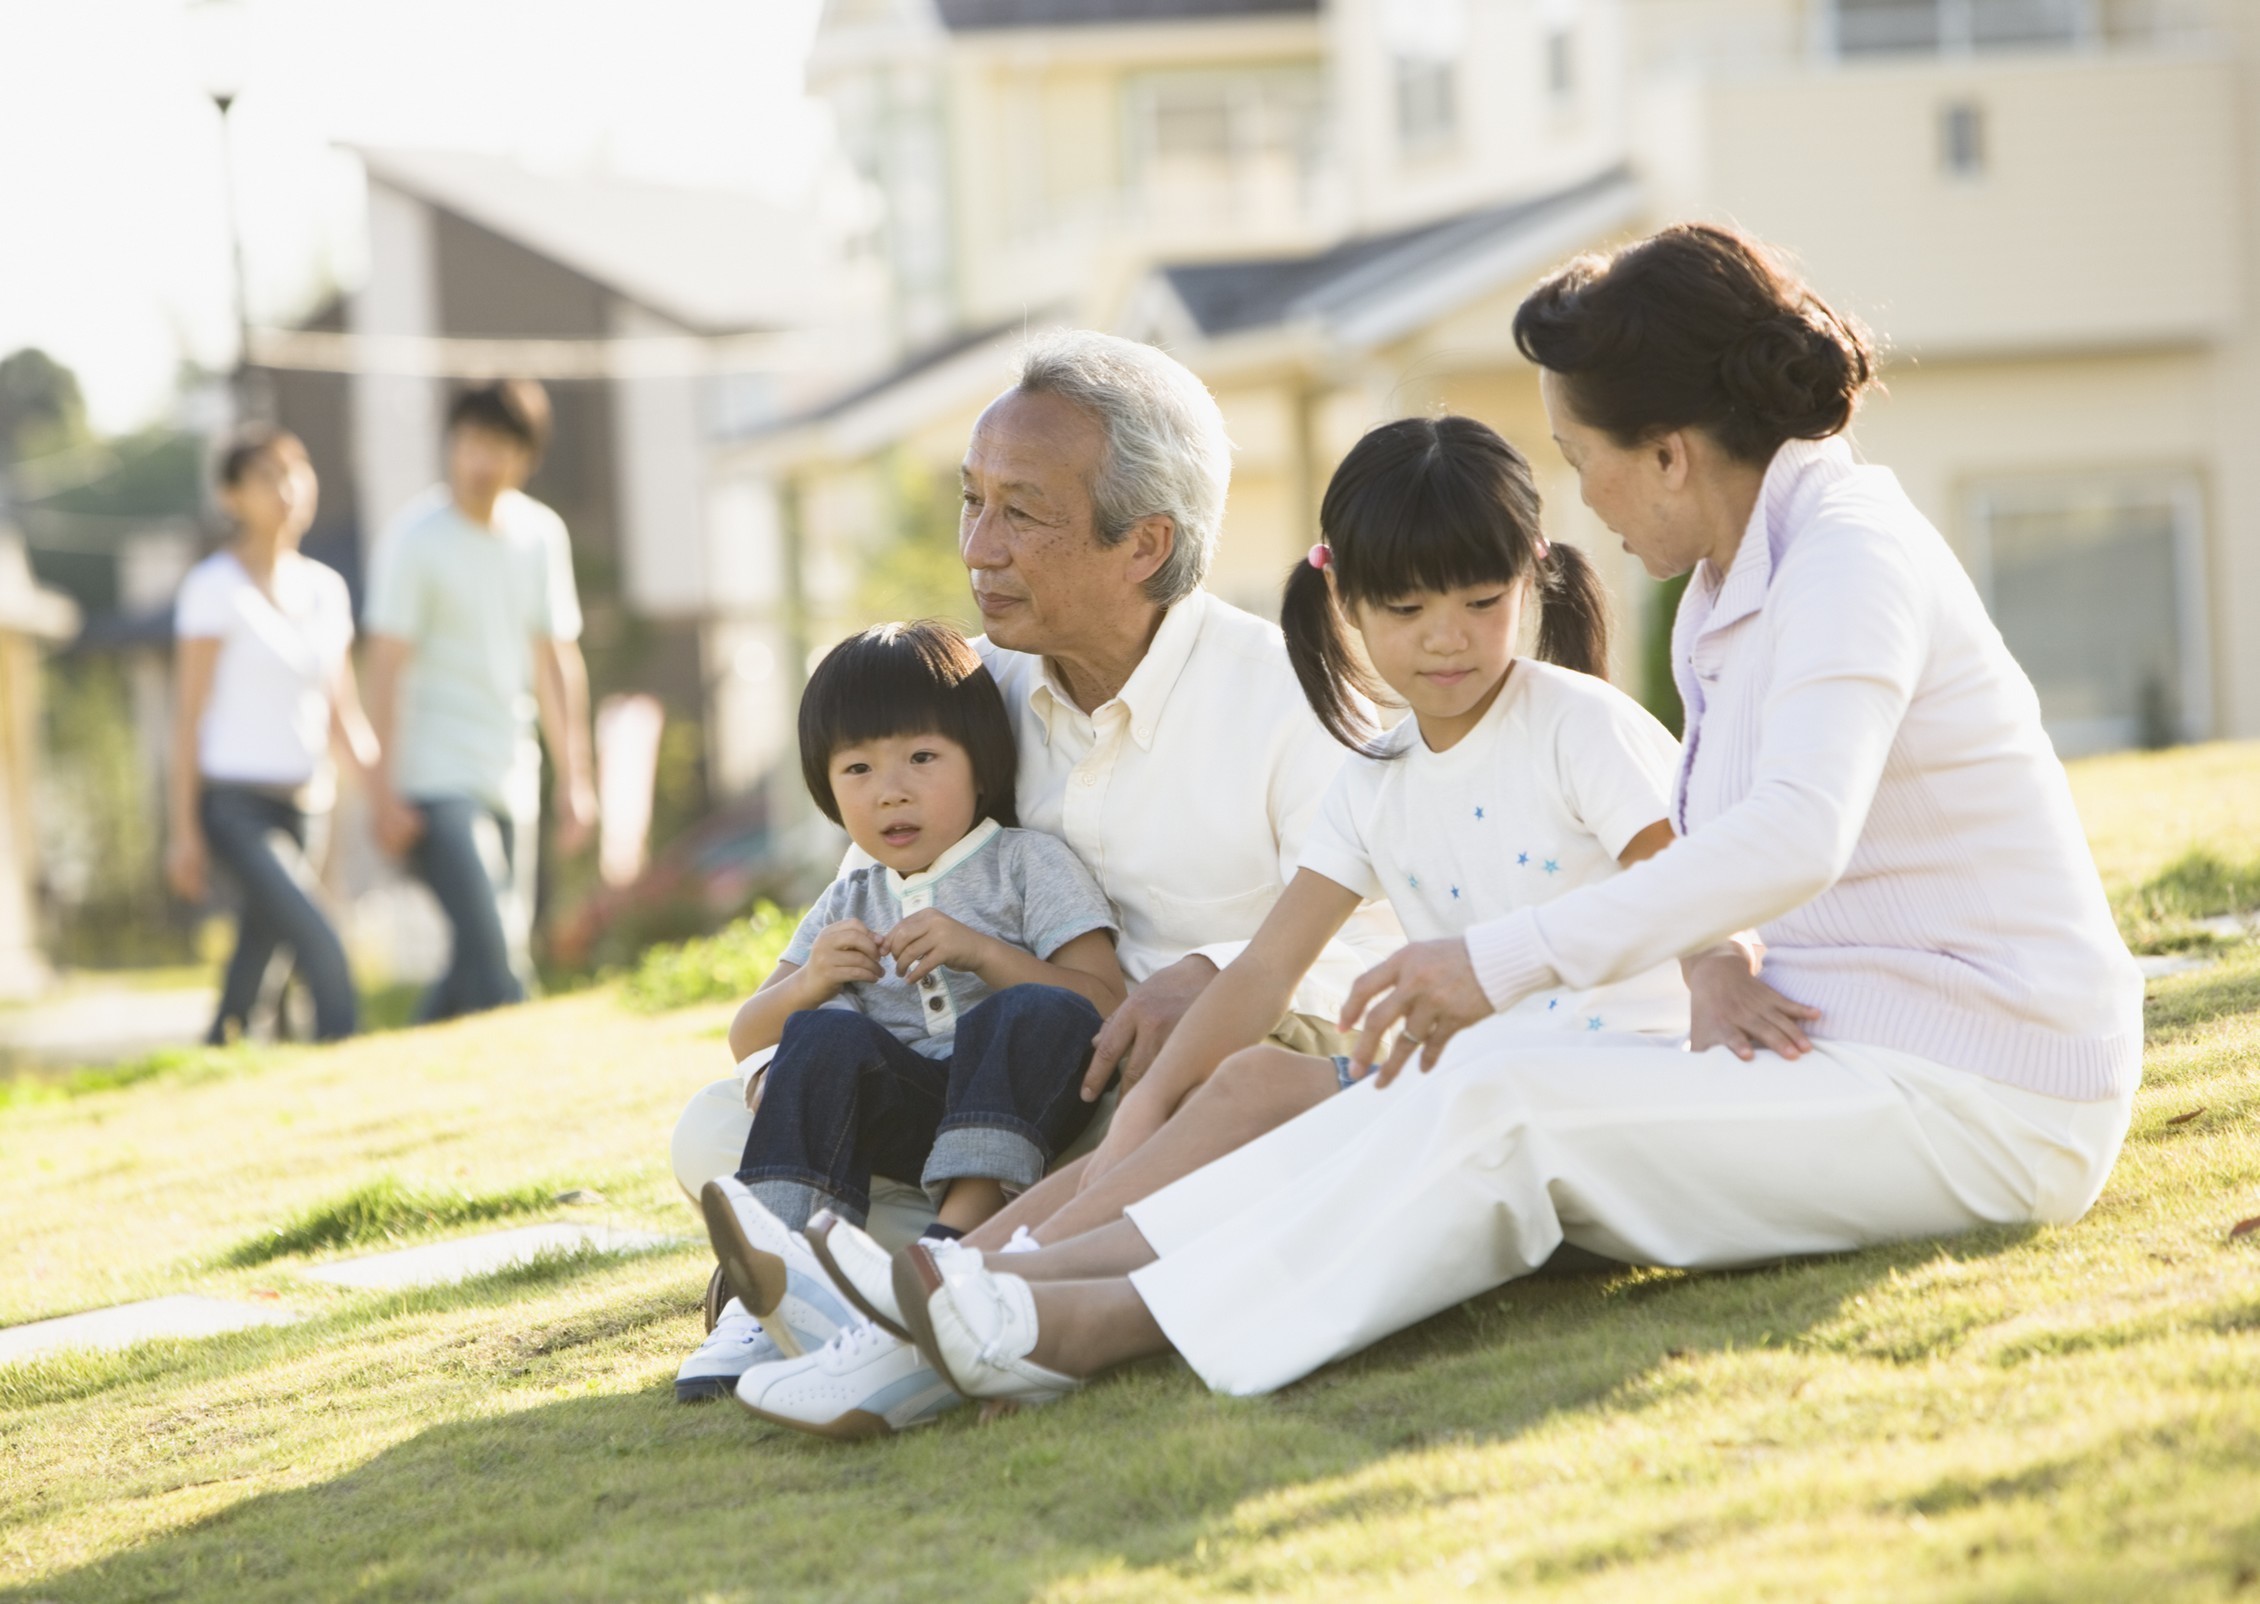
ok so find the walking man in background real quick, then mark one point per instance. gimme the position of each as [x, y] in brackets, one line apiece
[473, 625]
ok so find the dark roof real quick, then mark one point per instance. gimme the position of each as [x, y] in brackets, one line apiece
[1228, 297]
[968, 16]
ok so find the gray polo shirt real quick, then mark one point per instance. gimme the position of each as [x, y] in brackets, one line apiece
[1024, 888]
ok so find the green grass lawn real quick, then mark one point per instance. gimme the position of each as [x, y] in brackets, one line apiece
[2043, 1414]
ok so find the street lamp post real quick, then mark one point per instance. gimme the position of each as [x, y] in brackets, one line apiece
[219, 35]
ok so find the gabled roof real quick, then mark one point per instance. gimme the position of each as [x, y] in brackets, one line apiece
[967, 16]
[1360, 285]
[713, 261]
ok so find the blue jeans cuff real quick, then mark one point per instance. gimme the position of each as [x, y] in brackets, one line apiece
[986, 1152]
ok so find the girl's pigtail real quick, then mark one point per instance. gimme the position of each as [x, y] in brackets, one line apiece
[1333, 676]
[1573, 618]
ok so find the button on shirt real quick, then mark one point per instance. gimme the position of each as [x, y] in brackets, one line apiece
[1188, 793]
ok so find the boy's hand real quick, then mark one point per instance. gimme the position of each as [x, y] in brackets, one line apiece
[1730, 1007]
[845, 953]
[931, 939]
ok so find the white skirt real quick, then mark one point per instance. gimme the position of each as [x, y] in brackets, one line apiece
[1383, 1206]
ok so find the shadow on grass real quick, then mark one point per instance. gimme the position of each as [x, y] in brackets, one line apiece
[634, 1496]
[76, 1376]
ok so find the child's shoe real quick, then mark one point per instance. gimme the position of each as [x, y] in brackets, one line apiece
[771, 1270]
[863, 1383]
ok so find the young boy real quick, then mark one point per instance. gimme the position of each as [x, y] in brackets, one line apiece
[935, 1011]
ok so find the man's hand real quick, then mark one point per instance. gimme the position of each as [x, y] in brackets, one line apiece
[399, 825]
[576, 816]
[1134, 1033]
[843, 953]
[930, 939]
[1730, 1007]
[1430, 989]
[184, 865]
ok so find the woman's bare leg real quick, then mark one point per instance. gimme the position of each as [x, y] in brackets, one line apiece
[1251, 1093]
[1083, 1327]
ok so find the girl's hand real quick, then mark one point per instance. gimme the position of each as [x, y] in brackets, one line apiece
[844, 953]
[1730, 1007]
[931, 939]
[1136, 1119]
[184, 865]
[1430, 989]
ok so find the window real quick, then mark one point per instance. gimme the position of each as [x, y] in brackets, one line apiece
[1428, 103]
[2098, 588]
[1961, 139]
[1893, 27]
[1227, 146]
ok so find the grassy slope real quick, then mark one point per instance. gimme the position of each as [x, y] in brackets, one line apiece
[2058, 1414]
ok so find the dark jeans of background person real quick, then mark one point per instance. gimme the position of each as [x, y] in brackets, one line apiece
[845, 1101]
[470, 882]
[241, 830]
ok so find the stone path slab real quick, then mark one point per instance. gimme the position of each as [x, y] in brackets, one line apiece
[445, 1262]
[129, 1323]
[2157, 966]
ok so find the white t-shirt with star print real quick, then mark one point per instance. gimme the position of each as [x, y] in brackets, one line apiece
[1538, 799]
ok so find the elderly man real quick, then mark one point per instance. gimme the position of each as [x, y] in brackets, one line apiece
[1162, 735]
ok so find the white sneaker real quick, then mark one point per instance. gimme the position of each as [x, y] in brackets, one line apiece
[735, 1345]
[977, 1327]
[861, 1269]
[771, 1270]
[863, 1383]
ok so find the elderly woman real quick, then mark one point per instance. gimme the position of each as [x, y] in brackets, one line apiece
[1864, 781]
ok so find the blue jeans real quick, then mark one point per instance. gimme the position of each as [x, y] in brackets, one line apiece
[470, 883]
[241, 830]
[845, 1101]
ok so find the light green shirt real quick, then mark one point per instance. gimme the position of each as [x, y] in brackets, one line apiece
[472, 602]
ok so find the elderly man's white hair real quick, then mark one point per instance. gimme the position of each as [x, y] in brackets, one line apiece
[1166, 449]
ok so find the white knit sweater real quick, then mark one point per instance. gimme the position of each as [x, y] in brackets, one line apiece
[1865, 780]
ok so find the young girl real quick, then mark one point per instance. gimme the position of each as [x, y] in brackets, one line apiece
[934, 1013]
[1511, 783]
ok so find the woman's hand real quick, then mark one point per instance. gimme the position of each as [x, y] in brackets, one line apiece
[1730, 1007]
[399, 824]
[930, 940]
[185, 864]
[1430, 989]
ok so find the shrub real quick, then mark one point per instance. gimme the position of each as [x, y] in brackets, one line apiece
[717, 968]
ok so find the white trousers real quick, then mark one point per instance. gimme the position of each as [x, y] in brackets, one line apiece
[1383, 1206]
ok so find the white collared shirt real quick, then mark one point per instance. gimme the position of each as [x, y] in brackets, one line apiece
[1188, 793]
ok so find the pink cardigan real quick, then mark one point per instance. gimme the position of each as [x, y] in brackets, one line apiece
[1865, 780]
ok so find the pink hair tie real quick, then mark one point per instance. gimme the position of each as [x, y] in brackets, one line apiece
[1320, 555]
[1545, 548]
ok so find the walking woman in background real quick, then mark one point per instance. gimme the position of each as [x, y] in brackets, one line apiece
[263, 685]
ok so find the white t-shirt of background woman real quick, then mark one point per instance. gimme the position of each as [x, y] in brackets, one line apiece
[267, 721]
[1538, 799]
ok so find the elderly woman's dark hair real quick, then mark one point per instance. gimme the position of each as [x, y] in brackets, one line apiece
[1697, 327]
[921, 678]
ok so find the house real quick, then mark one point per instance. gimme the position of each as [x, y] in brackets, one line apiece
[660, 319]
[1331, 211]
